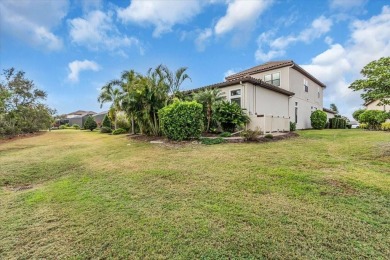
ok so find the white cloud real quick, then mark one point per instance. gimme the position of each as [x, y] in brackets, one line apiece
[33, 21]
[241, 15]
[228, 73]
[77, 66]
[202, 39]
[346, 4]
[340, 65]
[97, 31]
[163, 15]
[318, 28]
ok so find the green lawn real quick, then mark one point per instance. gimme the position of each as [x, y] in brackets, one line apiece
[323, 195]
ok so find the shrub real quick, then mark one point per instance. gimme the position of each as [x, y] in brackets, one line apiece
[363, 126]
[385, 126]
[210, 141]
[374, 118]
[337, 123]
[293, 126]
[62, 127]
[67, 125]
[76, 126]
[119, 131]
[106, 122]
[122, 121]
[318, 119]
[251, 135]
[90, 123]
[269, 136]
[357, 113]
[181, 120]
[105, 129]
[225, 134]
[230, 116]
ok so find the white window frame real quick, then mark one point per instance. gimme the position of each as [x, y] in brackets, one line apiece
[237, 96]
[272, 78]
[306, 85]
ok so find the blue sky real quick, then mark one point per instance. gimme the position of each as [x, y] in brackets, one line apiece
[70, 48]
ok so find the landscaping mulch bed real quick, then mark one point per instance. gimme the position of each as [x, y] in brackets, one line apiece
[166, 142]
[7, 139]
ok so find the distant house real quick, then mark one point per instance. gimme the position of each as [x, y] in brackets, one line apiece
[373, 105]
[99, 117]
[329, 112]
[273, 94]
[78, 117]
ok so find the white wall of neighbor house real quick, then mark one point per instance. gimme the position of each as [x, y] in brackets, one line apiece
[374, 106]
[308, 98]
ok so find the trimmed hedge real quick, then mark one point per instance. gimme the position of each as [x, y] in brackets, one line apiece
[374, 118]
[105, 130]
[318, 119]
[337, 123]
[181, 120]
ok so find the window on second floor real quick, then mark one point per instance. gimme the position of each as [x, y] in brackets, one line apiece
[306, 85]
[273, 79]
[319, 95]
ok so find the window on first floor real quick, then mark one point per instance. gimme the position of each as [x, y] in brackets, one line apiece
[296, 112]
[273, 79]
[236, 100]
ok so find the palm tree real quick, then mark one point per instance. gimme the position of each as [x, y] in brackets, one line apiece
[208, 98]
[110, 94]
[174, 80]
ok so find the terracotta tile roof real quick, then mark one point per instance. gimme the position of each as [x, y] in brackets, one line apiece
[256, 82]
[274, 65]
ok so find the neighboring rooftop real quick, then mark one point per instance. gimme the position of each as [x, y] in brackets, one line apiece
[81, 112]
[329, 110]
[274, 65]
[256, 82]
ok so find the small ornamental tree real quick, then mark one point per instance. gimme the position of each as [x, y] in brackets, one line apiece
[181, 120]
[106, 122]
[90, 123]
[318, 119]
[373, 118]
[230, 116]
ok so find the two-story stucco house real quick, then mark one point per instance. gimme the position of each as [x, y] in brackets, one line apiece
[374, 105]
[275, 93]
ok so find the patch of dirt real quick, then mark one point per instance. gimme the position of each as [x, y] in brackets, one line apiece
[8, 139]
[19, 188]
[344, 188]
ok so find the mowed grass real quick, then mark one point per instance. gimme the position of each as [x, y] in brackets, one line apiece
[323, 195]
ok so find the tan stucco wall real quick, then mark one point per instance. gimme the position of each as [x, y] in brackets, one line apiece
[307, 101]
[374, 106]
[258, 101]
[292, 80]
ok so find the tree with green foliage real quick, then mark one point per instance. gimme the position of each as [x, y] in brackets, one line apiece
[357, 113]
[182, 120]
[90, 123]
[209, 98]
[230, 116]
[373, 118]
[106, 122]
[376, 85]
[21, 107]
[334, 108]
[318, 119]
